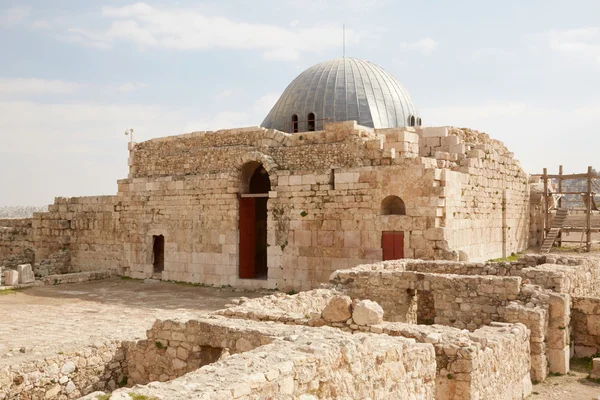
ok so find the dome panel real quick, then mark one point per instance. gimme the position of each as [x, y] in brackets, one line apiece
[343, 89]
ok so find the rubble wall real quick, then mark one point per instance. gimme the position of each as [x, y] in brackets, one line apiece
[477, 365]
[282, 360]
[70, 374]
[87, 229]
[16, 242]
[585, 326]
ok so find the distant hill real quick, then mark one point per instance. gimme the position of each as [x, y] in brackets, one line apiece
[20, 211]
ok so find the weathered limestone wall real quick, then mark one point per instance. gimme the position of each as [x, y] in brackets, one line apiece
[88, 227]
[16, 242]
[71, 374]
[460, 301]
[470, 301]
[314, 362]
[324, 207]
[585, 326]
[492, 362]
[487, 193]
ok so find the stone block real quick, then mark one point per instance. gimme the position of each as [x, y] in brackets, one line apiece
[338, 309]
[595, 374]
[558, 360]
[11, 278]
[25, 273]
[367, 312]
[434, 131]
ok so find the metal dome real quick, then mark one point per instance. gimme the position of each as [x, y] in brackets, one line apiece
[343, 89]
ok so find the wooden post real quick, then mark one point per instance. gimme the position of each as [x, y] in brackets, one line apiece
[560, 179]
[589, 210]
[545, 205]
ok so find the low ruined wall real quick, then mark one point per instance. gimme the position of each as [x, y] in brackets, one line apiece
[453, 294]
[478, 365]
[65, 375]
[16, 242]
[585, 326]
[175, 348]
[317, 363]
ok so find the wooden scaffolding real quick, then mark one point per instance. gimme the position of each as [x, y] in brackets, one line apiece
[553, 200]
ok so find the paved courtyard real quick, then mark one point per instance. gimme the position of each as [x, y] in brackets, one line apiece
[51, 319]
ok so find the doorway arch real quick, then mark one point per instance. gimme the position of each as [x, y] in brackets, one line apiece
[253, 221]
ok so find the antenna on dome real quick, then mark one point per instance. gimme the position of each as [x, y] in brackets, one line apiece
[344, 40]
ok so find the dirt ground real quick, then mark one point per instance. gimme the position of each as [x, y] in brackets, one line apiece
[51, 319]
[573, 386]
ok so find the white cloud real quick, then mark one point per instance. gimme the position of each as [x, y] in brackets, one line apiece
[130, 87]
[36, 86]
[424, 46]
[187, 29]
[491, 53]
[40, 24]
[13, 16]
[224, 94]
[80, 149]
[584, 42]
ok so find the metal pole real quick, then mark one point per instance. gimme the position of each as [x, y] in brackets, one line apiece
[560, 172]
[546, 216]
[589, 211]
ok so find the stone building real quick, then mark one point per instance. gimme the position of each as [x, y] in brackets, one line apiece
[340, 173]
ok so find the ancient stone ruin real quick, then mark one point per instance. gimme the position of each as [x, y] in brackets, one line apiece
[383, 225]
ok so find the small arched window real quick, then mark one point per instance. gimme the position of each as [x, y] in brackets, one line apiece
[294, 123]
[419, 122]
[393, 205]
[311, 122]
[411, 120]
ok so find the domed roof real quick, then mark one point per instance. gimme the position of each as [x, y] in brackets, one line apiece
[343, 89]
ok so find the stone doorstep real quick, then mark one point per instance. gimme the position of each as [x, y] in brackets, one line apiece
[62, 279]
[23, 285]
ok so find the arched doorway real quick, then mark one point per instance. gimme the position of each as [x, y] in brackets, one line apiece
[253, 222]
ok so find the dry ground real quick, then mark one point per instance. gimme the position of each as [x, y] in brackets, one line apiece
[51, 319]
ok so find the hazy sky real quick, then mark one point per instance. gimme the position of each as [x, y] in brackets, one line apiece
[75, 74]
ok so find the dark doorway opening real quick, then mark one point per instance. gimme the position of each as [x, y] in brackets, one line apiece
[158, 252]
[392, 244]
[253, 226]
[425, 307]
[311, 120]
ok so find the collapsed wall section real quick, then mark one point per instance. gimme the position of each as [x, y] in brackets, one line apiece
[491, 362]
[487, 193]
[16, 242]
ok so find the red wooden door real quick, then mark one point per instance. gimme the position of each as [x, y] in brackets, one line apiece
[392, 244]
[247, 237]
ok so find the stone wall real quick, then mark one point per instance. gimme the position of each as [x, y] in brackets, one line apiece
[70, 374]
[472, 301]
[478, 365]
[16, 242]
[585, 326]
[277, 360]
[325, 212]
[487, 193]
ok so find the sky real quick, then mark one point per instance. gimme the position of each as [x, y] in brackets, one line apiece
[74, 75]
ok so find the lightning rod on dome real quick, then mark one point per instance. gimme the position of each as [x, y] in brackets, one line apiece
[344, 40]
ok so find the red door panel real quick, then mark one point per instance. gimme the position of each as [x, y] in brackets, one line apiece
[247, 237]
[398, 245]
[392, 244]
